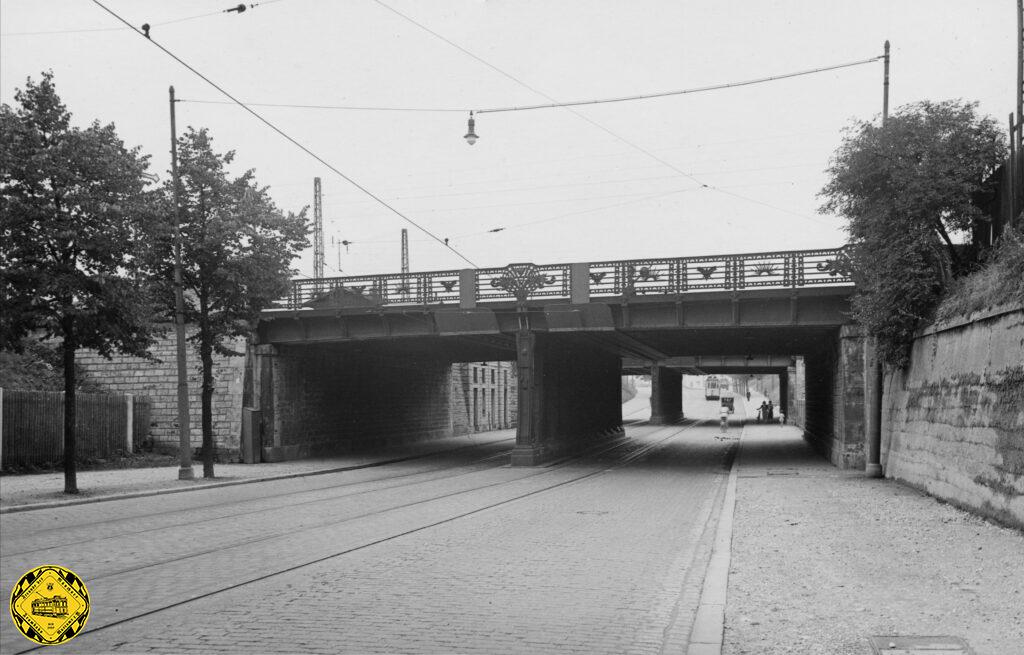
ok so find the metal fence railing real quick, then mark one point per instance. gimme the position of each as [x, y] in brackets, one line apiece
[32, 430]
[522, 282]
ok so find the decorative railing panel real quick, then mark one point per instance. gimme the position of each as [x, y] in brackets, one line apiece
[392, 289]
[522, 282]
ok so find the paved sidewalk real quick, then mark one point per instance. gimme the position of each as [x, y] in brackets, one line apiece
[21, 492]
[822, 559]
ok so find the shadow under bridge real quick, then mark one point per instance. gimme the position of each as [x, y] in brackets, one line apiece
[368, 359]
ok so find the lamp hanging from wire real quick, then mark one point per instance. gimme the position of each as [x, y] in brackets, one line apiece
[471, 136]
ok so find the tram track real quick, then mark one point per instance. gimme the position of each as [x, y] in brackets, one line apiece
[599, 450]
[287, 505]
[450, 451]
[625, 459]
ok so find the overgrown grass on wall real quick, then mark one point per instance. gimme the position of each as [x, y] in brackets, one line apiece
[999, 282]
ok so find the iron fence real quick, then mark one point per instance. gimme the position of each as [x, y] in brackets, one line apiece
[521, 282]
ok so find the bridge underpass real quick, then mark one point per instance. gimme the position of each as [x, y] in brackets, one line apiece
[360, 362]
[667, 378]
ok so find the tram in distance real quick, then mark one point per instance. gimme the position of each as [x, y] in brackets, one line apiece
[711, 387]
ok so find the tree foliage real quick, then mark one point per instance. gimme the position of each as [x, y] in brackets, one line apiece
[72, 209]
[237, 249]
[905, 189]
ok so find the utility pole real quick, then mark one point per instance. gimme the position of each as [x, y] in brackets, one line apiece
[1017, 160]
[872, 361]
[885, 86]
[405, 250]
[1020, 73]
[185, 471]
[318, 231]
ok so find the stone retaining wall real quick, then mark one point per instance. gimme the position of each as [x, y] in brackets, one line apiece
[953, 421]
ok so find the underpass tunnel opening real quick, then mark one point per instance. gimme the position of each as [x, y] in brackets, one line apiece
[364, 397]
[812, 376]
[570, 394]
[484, 396]
[560, 390]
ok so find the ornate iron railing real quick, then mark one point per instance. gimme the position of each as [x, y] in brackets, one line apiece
[627, 278]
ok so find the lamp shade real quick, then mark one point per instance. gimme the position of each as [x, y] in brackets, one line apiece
[471, 136]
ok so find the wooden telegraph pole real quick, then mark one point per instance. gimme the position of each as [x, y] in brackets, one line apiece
[872, 361]
[185, 471]
[1016, 159]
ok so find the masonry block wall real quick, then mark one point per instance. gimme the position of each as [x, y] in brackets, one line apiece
[797, 405]
[834, 400]
[327, 399]
[953, 421]
[483, 396]
[850, 426]
[158, 380]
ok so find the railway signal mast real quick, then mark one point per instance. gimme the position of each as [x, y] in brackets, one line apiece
[318, 231]
[405, 251]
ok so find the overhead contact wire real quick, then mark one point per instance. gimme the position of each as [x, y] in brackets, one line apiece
[568, 107]
[555, 105]
[287, 137]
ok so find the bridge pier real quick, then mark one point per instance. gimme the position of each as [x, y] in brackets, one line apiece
[835, 400]
[569, 395]
[666, 395]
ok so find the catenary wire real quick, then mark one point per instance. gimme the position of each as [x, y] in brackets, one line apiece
[288, 137]
[118, 29]
[555, 105]
[584, 117]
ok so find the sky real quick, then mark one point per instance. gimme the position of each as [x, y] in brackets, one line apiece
[727, 171]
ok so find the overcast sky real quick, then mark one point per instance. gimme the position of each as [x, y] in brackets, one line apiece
[600, 182]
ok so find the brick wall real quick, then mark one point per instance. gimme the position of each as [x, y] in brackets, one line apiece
[953, 421]
[483, 396]
[158, 380]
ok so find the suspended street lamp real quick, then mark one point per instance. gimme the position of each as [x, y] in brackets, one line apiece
[471, 136]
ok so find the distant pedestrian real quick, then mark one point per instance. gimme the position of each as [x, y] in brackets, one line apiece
[771, 412]
[782, 417]
[748, 395]
[762, 412]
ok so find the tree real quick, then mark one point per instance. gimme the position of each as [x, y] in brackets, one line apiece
[237, 248]
[72, 208]
[905, 189]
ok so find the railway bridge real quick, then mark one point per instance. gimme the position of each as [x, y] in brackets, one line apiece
[353, 362]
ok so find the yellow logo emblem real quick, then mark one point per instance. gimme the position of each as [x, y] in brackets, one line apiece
[50, 605]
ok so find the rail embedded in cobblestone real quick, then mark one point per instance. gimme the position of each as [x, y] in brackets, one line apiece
[580, 282]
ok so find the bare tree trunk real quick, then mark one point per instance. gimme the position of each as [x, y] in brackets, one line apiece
[206, 355]
[954, 258]
[68, 348]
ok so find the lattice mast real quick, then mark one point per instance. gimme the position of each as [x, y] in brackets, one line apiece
[318, 231]
[405, 250]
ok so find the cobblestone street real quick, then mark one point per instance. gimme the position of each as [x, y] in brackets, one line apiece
[594, 555]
